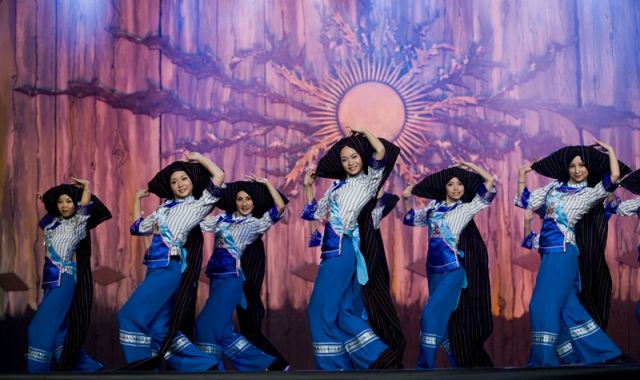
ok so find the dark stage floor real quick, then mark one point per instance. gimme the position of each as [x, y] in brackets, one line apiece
[608, 372]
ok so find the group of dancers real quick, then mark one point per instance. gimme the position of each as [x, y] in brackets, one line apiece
[352, 317]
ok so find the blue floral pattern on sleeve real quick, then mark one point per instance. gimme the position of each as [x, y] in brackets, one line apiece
[528, 241]
[309, 210]
[315, 239]
[410, 218]
[45, 221]
[274, 214]
[216, 191]
[376, 164]
[523, 200]
[485, 194]
[611, 208]
[135, 228]
[608, 185]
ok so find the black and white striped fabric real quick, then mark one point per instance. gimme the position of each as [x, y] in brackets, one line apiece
[259, 193]
[556, 165]
[376, 295]
[181, 217]
[434, 185]
[629, 208]
[183, 313]
[99, 212]
[65, 234]
[595, 278]
[351, 194]
[457, 218]
[244, 230]
[79, 314]
[330, 165]
[632, 182]
[471, 324]
[591, 230]
[575, 205]
[385, 205]
[160, 183]
[253, 262]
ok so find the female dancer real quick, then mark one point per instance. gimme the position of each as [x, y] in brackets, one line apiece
[385, 204]
[531, 241]
[458, 195]
[253, 265]
[58, 329]
[150, 319]
[342, 340]
[250, 212]
[564, 202]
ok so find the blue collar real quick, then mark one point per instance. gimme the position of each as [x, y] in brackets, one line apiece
[53, 224]
[338, 184]
[229, 217]
[566, 187]
[444, 207]
[174, 202]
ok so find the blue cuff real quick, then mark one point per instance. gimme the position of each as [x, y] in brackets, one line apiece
[135, 227]
[45, 221]
[527, 242]
[84, 209]
[524, 198]
[309, 210]
[216, 191]
[611, 208]
[377, 164]
[410, 218]
[608, 185]
[382, 199]
[485, 194]
[274, 214]
[315, 239]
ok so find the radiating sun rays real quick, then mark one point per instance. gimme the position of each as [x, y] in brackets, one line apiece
[378, 95]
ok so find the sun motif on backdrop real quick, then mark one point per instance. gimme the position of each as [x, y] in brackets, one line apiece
[422, 94]
[429, 96]
[370, 94]
[394, 89]
[377, 95]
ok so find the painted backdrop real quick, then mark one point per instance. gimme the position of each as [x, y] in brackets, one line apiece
[114, 90]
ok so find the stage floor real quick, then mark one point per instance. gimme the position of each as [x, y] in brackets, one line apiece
[577, 372]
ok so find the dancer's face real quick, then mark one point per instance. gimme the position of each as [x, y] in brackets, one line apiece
[244, 203]
[66, 207]
[578, 171]
[351, 161]
[455, 190]
[181, 184]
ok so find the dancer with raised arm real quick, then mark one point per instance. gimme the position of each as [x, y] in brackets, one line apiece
[150, 320]
[454, 264]
[342, 340]
[58, 329]
[251, 208]
[584, 176]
